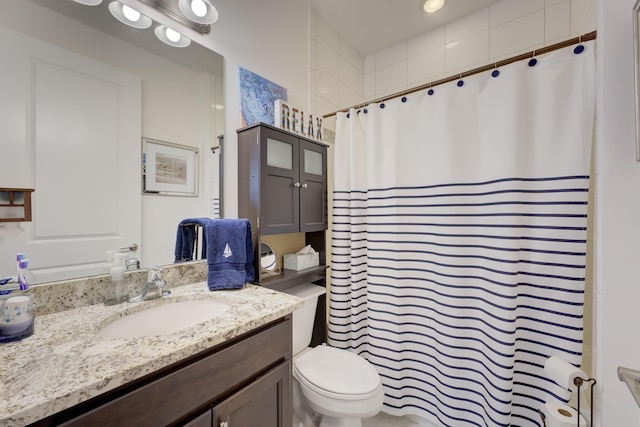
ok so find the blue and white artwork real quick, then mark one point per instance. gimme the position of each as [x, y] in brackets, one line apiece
[257, 97]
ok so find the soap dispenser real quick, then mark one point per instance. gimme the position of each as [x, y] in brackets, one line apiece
[17, 305]
[117, 291]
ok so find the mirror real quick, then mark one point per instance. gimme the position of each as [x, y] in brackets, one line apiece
[165, 121]
[268, 259]
[636, 63]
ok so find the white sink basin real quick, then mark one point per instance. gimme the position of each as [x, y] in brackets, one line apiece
[164, 319]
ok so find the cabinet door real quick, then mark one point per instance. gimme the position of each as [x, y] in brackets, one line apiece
[204, 420]
[313, 187]
[265, 402]
[279, 195]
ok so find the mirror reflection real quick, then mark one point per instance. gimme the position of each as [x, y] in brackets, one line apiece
[268, 259]
[80, 91]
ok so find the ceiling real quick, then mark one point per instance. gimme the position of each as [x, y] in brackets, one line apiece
[373, 25]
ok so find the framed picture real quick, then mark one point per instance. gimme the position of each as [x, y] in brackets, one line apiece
[257, 96]
[169, 169]
[636, 62]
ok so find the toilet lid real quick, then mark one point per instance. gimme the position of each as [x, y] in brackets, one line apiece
[336, 371]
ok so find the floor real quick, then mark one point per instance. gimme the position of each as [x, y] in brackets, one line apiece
[380, 420]
[384, 420]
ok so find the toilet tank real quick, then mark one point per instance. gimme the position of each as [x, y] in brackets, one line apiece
[304, 317]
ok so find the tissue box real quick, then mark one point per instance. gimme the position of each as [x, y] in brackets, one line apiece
[301, 261]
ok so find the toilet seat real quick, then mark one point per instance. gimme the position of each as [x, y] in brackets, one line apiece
[337, 373]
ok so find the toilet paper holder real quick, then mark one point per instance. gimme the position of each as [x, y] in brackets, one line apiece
[579, 382]
[631, 378]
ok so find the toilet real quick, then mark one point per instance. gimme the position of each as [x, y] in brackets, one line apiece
[332, 387]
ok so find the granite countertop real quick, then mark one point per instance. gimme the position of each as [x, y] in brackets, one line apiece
[65, 362]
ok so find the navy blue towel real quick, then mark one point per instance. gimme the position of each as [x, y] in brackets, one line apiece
[229, 253]
[186, 239]
[227, 246]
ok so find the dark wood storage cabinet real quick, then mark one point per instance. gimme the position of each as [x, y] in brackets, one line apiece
[245, 382]
[282, 188]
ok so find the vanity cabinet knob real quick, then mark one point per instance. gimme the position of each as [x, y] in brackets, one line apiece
[304, 185]
[297, 185]
[224, 424]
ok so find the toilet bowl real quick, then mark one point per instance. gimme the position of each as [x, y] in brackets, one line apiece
[332, 384]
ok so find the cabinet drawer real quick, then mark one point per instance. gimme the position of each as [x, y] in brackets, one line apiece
[192, 387]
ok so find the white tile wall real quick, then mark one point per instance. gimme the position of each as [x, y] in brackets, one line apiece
[520, 34]
[336, 70]
[467, 26]
[466, 53]
[557, 21]
[503, 30]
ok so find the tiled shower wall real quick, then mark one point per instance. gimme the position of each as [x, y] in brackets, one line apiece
[501, 31]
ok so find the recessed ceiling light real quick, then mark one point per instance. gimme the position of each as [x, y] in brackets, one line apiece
[171, 37]
[200, 11]
[129, 16]
[431, 6]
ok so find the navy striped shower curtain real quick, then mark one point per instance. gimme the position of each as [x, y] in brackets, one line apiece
[459, 239]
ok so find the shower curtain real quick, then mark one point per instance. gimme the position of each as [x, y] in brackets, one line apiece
[459, 239]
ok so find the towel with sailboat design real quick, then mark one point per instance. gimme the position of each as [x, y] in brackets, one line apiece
[229, 252]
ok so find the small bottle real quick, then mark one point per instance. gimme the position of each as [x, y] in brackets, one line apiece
[109, 255]
[117, 291]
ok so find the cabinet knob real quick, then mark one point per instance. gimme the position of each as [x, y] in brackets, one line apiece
[304, 185]
[224, 424]
[297, 184]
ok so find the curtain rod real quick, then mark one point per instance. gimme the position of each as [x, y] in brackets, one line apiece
[541, 51]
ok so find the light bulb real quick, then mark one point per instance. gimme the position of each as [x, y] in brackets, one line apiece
[431, 6]
[173, 35]
[131, 14]
[199, 7]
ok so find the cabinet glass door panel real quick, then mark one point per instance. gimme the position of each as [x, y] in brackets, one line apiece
[313, 162]
[279, 154]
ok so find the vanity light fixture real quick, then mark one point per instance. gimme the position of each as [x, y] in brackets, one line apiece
[89, 2]
[171, 37]
[129, 16]
[200, 11]
[187, 12]
[431, 6]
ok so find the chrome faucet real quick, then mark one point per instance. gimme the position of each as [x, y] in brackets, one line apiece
[131, 263]
[153, 288]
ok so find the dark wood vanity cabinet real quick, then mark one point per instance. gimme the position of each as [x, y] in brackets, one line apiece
[245, 382]
[282, 189]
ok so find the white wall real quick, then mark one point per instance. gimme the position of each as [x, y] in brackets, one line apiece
[618, 211]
